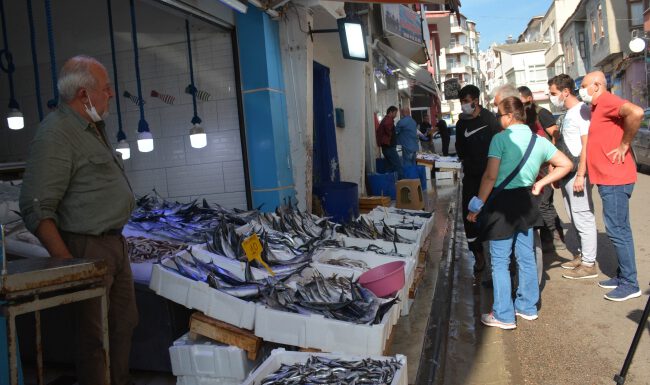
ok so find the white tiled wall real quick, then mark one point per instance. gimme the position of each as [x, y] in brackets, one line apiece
[175, 169]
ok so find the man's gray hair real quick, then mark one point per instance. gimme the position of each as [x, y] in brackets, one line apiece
[505, 91]
[75, 74]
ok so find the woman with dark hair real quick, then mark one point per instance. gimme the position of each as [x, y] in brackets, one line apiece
[511, 210]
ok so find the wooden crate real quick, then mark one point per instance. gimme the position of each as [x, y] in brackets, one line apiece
[419, 276]
[373, 201]
[225, 333]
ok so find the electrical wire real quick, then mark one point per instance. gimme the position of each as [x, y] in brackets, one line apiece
[52, 103]
[120, 133]
[37, 76]
[195, 119]
[143, 126]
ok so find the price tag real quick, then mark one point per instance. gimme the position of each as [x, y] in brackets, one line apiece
[253, 249]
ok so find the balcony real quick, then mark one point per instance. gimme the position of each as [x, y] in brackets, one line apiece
[461, 69]
[552, 54]
[458, 29]
[458, 49]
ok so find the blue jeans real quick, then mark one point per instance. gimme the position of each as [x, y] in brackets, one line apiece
[408, 157]
[616, 214]
[528, 289]
[393, 162]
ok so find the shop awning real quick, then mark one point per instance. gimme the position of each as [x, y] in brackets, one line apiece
[409, 68]
[453, 3]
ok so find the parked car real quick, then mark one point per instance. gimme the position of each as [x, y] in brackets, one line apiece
[641, 142]
[437, 142]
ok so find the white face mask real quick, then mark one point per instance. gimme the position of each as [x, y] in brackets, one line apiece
[467, 108]
[584, 94]
[555, 99]
[92, 112]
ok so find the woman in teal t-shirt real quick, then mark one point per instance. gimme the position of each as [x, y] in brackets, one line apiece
[511, 214]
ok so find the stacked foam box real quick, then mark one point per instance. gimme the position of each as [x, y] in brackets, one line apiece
[409, 250]
[204, 361]
[279, 357]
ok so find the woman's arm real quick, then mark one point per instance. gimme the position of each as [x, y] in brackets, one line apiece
[561, 166]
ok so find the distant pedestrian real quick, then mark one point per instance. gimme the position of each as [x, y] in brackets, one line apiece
[515, 156]
[576, 189]
[444, 135]
[541, 121]
[387, 140]
[407, 136]
[425, 134]
[614, 123]
[474, 131]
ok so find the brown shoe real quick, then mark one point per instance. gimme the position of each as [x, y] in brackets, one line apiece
[577, 260]
[582, 272]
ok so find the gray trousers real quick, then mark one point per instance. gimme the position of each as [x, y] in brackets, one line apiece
[580, 208]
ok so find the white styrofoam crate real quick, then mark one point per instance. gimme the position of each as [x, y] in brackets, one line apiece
[445, 164]
[316, 331]
[370, 258]
[413, 236]
[198, 295]
[440, 175]
[391, 217]
[409, 250]
[197, 380]
[235, 267]
[279, 357]
[204, 357]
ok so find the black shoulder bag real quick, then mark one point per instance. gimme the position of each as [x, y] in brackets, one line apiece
[480, 220]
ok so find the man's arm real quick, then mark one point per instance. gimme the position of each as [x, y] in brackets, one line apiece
[49, 235]
[460, 140]
[579, 184]
[487, 183]
[632, 116]
[547, 120]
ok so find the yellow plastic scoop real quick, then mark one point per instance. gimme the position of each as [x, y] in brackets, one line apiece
[253, 249]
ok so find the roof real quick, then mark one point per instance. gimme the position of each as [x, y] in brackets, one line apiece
[523, 47]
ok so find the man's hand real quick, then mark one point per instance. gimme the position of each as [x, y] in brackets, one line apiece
[617, 155]
[537, 188]
[579, 183]
[471, 217]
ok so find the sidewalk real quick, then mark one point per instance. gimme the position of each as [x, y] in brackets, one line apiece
[580, 338]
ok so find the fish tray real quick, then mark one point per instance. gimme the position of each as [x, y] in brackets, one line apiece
[318, 332]
[198, 380]
[279, 357]
[402, 212]
[198, 295]
[408, 250]
[392, 219]
[413, 236]
[370, 258]
[204, 357]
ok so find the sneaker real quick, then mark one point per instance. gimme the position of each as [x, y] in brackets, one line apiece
[526, 316]
[582, 272]
[577, 260]
[611, 283]
[489, 320]
[623, 293]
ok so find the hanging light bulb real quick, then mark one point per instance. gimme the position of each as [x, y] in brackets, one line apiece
[198, 138]
[15, 119]
[145, 141]
[124, 149]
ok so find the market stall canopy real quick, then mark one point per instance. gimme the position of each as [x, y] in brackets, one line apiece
[409, 68]
[452, 3]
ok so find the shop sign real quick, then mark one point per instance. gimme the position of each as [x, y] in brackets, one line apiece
[452, 88]
[401, 21]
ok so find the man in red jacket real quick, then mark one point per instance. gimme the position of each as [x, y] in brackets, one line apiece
[614, 123]
[386, 139]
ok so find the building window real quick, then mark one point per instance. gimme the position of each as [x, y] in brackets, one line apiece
[601, 27]
[536, 73]
[593, 30]
[581, 45]
[636, 13]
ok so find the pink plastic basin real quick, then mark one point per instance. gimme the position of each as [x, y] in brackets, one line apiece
[384, 280]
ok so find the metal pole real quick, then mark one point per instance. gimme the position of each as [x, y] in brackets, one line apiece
[620, 378]
[39, 348]
[3, 252]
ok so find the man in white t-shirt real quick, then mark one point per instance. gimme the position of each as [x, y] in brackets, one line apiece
[576, 188]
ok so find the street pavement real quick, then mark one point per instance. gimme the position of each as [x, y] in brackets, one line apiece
[579, 338]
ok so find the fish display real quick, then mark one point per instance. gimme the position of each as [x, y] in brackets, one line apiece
[346, 262]
[362, 228]
[421, 214]
[144, 249]
[322, 370]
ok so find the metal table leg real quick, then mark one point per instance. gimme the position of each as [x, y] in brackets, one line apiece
[107, 359]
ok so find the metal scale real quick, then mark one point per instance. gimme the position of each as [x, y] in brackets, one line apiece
[33, 284]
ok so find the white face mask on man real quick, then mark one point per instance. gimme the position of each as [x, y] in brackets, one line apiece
[92, 112]
[584, 94]
[467, 108]
[555, 99]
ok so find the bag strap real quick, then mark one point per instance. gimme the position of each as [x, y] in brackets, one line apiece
[514, 172]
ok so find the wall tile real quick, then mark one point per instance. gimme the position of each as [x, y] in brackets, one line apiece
[187, 180]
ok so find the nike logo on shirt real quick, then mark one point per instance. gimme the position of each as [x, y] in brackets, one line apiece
[468, 134]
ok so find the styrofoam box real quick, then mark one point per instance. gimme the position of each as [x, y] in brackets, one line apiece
[414, 236]
[316, 331]
[279, 357]
[392, 218]
[204, 357]
[410, 250]
[429, 221]
[444, 175]
[197, 380]
[198, 295]
[456, 165]
[373, 260]
[237, 268]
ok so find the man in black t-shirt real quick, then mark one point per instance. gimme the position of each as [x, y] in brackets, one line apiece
[541, 121]
[474, 131]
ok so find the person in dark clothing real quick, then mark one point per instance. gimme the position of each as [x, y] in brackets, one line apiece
[387, 140]
[541, 121]
[474, 131]
[426, 134]
[444, 135]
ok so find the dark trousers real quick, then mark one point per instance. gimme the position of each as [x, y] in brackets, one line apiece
[393, 161]
[471, 186]
[445, 145]
[122, 311]
[547, 210]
